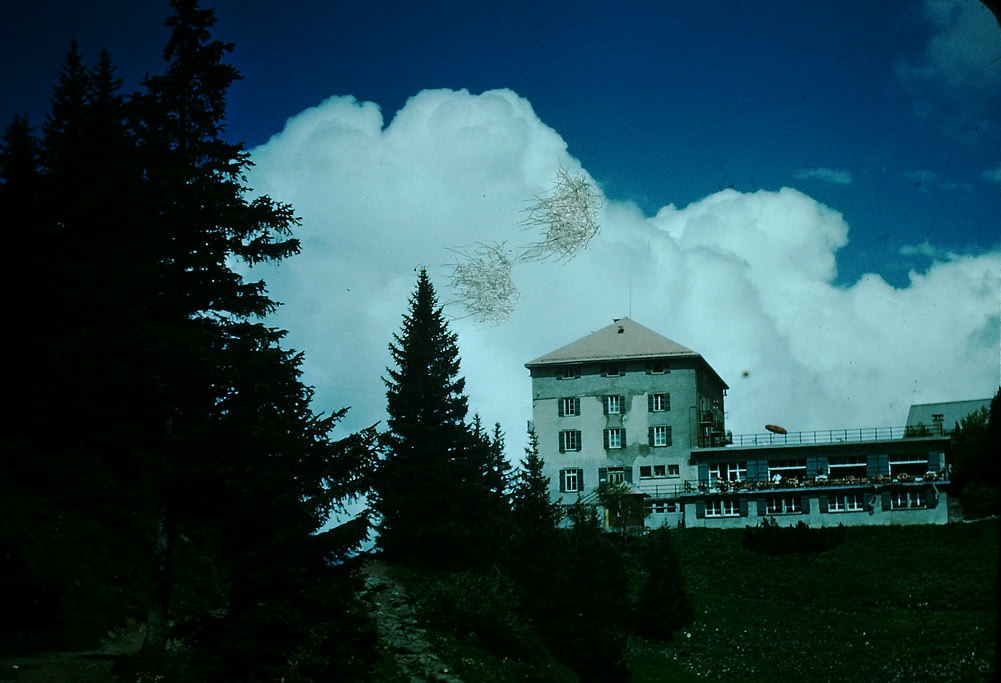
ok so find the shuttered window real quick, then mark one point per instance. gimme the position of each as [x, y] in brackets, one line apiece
[569, 440]
[569, 406]
[571, 480]
[614, 438]
[659, 436]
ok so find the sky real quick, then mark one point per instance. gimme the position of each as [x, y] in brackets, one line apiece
[807, 194]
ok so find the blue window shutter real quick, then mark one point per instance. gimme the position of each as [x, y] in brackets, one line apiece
[580, 480]
[935, 461]
[670, 437]
[742, 506]
[563, 442]
[628, 474]
[559, 407]
[822, 503]
[604, 405]
[667, 401]
[563, 483]
[805, 504]
[762, 509]
[622, 436]
[649, 403]
[604, 438]
[700, 509]
[649, 436]
[602, 475]
[703, 473]
[878, 464]
[576, 406]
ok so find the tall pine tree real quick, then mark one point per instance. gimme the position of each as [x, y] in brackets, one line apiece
[436, 490]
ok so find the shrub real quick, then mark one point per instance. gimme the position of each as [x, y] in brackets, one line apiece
[772, 539]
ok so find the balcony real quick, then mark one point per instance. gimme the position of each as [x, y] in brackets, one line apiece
[797, 484]
[826, 436]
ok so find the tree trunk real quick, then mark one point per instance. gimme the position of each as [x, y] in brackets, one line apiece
[158, 614]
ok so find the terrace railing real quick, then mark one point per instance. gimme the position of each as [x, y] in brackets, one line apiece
[824, 436]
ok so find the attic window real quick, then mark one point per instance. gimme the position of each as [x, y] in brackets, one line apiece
[621, 329]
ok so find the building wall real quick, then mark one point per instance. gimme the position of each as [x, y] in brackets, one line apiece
[880, 514]
[685, 384]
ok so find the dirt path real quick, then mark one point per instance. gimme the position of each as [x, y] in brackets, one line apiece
[393, 612]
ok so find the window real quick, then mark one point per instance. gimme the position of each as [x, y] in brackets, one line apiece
[842, 467]
[783, 505]
[616, 476]
[569, 406]
[662, 506]
[727, 471]
[722, 507]
[615, 438]
[660, 436]
[613, 370]
[570, 440]
[613, 405]
[657, 471]
[674, 470]
[568, 372]
[908, 464]
[845, 502]
[658, 403]
[780, 470]
[908, 500]
[572, 480]
[657, 367]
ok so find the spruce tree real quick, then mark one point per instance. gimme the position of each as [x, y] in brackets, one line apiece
[435, 491]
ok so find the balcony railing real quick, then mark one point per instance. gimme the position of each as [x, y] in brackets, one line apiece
[794, 484]
[824, 436]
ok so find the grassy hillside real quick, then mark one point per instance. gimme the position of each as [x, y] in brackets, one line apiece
[888, 604]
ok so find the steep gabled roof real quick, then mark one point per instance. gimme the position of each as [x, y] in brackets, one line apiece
[623, 339]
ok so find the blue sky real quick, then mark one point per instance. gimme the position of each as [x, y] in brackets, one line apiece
[662, 102]
[881, 120]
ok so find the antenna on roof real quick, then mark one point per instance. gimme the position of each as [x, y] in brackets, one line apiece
[630, 296]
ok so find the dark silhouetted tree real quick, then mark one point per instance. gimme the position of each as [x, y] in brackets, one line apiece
[436, 489]
[975, 469]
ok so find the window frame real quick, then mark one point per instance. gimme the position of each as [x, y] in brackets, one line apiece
[573, 402]
[620, 437]
[666, 432]
[659, 402]
[619, 402]
[570, 441]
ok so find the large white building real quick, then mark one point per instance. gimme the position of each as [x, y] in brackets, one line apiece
[625, 405]
[628, 411]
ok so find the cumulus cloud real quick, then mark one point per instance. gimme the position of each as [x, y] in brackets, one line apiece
[828, 175]
[745, 279]
[954, 78]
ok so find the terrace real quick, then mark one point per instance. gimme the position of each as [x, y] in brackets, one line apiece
[827, 436]
[751, 485]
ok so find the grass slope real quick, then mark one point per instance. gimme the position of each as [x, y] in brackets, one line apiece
[888, 604]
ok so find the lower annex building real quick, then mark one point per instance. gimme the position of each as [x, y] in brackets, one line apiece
[628, 412]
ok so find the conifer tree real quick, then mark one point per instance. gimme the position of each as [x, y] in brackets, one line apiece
[434, 492]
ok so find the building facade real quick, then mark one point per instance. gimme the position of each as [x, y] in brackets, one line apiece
[627, 411]
[831, 478]
[624, 407]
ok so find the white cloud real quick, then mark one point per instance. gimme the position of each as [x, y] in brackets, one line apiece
[992, 175]
[954, 79]
[744, 279]
[828, 175]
